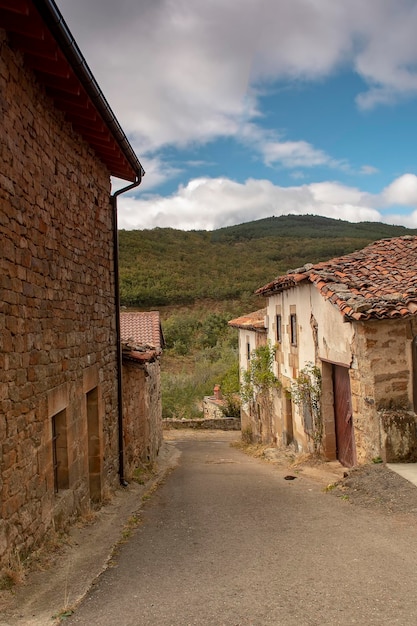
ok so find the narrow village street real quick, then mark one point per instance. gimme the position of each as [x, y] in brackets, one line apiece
[226, 540]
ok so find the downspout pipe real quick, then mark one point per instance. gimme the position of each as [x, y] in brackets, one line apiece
[113, 200]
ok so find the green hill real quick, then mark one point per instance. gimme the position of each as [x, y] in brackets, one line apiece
[165, 266]
[311, 226]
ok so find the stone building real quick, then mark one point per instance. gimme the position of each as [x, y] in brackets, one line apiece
[252, 334]
[60, 412]
[142, 342]
[213, 406]
[354, 318]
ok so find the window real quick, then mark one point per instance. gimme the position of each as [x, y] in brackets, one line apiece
[248, 351]
[278, 325]
[293, 329]
[94, 454]
[60, 451]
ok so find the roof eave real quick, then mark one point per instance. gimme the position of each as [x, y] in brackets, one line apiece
[56, 24]
[38, 29]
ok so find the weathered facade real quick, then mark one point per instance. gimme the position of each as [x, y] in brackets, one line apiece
[354, 318]
[142, 342]
[252, 334]
[59, 408]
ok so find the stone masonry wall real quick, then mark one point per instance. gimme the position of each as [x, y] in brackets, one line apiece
[211, 408]
[381, 387]
[142, 414]
[57, 319]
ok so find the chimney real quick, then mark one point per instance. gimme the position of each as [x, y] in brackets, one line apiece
[217, 392]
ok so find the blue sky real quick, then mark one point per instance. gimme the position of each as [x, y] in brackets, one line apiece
[241, 109]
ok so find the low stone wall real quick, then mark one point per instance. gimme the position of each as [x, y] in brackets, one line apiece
[223, 423]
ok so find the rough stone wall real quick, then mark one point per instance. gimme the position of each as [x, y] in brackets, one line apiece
[57, 321]
[399, 442]
[381, 387]
[142, 414]
[211, 408]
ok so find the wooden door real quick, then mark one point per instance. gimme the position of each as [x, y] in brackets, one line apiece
[345, 441]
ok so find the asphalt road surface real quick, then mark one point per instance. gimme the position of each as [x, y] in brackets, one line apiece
[227, 541]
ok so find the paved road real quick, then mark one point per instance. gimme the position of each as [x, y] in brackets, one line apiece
[226, 541]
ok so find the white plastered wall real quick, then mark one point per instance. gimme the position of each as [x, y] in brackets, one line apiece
[321, 335]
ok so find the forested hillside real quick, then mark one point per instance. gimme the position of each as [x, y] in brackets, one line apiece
[310, 226]
[165, 266]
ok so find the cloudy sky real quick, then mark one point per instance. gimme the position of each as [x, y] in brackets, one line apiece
[243, 109]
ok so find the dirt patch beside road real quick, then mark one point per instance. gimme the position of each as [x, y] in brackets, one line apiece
[377, 487]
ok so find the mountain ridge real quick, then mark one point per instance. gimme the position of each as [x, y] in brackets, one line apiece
[309, 225]
[166, 266]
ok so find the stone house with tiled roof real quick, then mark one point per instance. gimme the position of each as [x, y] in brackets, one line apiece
[142, 344]
[355, 318]
[252, 333]
[61, 444]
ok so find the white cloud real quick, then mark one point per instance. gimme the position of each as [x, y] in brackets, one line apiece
[294, 154]
[388, 54]
[368, 170]
[181, 72]
[402, 191]
[275, 149]
[335, 193]
[408, 220]
[209, 203]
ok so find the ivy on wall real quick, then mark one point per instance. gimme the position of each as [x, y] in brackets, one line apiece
[306, 392]
[258, 379]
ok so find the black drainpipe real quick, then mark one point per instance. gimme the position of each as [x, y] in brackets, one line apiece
[113, 199]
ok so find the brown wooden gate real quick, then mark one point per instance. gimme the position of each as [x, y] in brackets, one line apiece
[345, 441]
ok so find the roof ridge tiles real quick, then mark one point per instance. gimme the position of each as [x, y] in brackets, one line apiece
[381, 279]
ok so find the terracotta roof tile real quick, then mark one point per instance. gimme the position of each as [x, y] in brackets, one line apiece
[142, 329]
[377, 282]
[252, 321]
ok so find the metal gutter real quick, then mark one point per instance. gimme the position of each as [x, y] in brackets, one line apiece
[59, 29]
[113, 200]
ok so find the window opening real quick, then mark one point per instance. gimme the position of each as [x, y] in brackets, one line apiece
[94, 454]
[60, 451]
[278, 329]
[293, 329]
